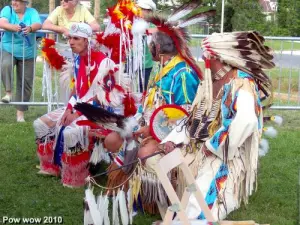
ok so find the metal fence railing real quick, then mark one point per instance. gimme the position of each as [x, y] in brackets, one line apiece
[42, 93]
[285, 76]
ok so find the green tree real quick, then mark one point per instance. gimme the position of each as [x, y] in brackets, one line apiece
[4, 3]
[104, 5]
[248, 16]
[42, 6]
[288, 20]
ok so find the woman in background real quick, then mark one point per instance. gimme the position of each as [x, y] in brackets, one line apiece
[18, 50]
[69, 12]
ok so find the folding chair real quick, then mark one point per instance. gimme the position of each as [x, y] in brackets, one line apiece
[166, 164]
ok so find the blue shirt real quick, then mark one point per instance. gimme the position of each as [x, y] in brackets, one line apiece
[179, 85]
[30, 17]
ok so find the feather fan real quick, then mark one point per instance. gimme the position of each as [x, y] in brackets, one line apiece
[124, 126]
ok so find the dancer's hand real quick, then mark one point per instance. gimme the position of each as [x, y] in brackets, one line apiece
[169, 147]
[68, 117]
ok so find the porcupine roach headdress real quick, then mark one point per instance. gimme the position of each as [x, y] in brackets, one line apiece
[178, 33]
[245, 51]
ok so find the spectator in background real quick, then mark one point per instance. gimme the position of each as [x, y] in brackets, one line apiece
[18, 50]
[69, 12]
[147, 7]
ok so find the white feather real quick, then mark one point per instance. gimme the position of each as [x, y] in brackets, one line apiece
[115, 216]
[263, 147]
[87, 218]
[278, 120]
[116, 98]
[270, 132]
[123, 208]
[139, 26]
[96, 156]
[131, 125]
[177, 16]
[192, 21]
[105, 211]
[129, 193]
[90, 199]
[100, 207]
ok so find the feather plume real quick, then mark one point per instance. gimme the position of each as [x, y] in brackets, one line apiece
[112, 42]
[105, 211]
[277, 119]
[139, 26]
[270, 132]
[100, 201]
[87, 218]
[90, 199]
[99, 154]
[129, 105]
[123, 208]
[200, 17]
[263, 147]
[184, 10]
[115, 215]
[51, 55]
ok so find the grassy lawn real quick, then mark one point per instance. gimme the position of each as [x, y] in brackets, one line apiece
[285, 80]
[278, 45]
[23, 193]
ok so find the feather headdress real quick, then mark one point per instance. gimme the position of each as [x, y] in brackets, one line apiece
[178, 33]
[180, 38]
[243, 50]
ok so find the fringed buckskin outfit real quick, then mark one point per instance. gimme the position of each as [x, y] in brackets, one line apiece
[228, 133]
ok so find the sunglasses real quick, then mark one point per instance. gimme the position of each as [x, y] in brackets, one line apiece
[67, 1]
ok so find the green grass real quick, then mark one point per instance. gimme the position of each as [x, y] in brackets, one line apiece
[23, 193]
[285, 79]
[278, 45]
